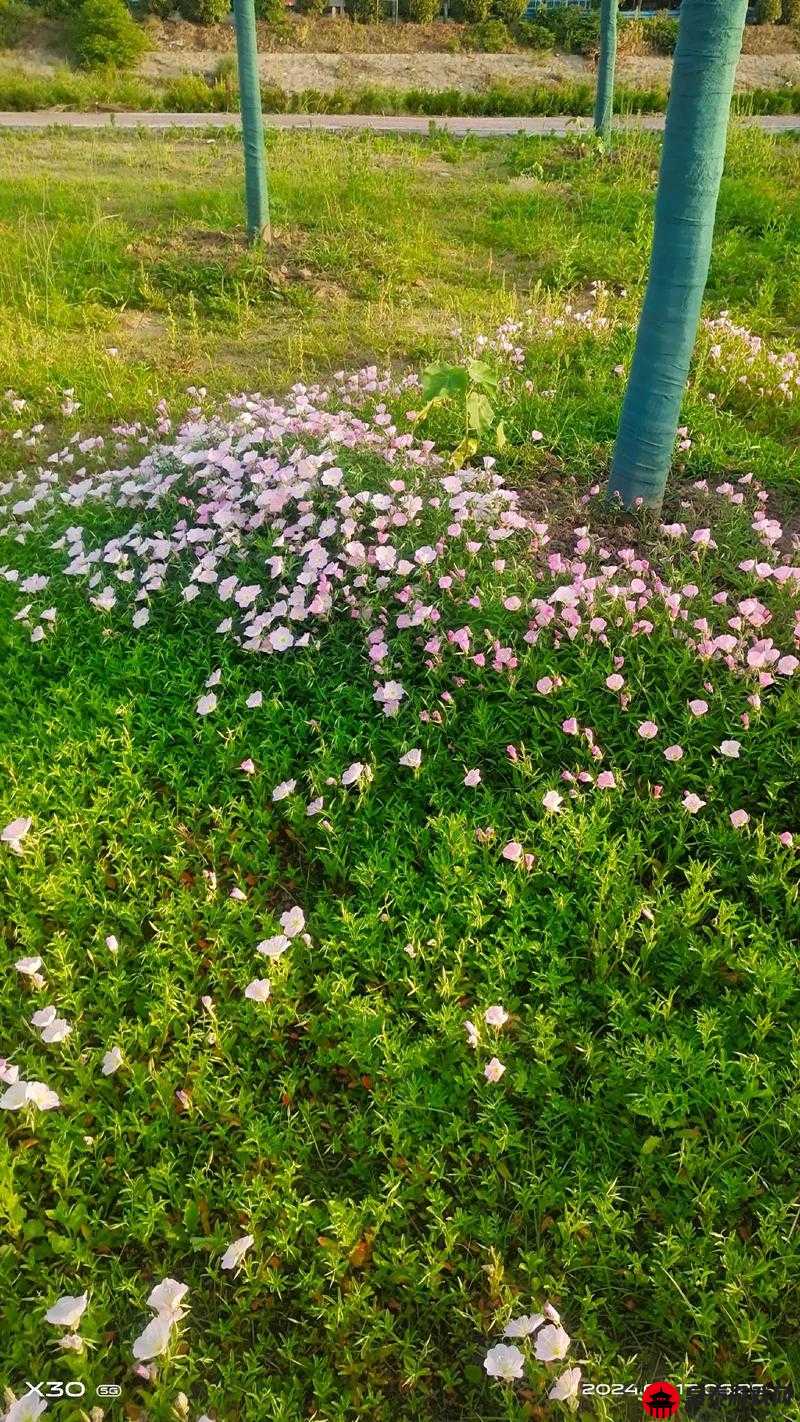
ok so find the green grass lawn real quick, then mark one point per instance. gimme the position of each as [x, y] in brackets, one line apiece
[635, 1162]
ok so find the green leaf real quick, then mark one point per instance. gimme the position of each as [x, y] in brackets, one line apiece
[482, 375]
[500, 436]
[463, 452]
[442, 380]
[480, 413]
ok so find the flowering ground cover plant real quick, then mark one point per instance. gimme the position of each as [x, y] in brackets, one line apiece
[398, 854]
[400, 916]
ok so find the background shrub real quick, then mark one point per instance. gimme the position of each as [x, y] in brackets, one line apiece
[474, 12]
[790, 13]
[768, 12]
[204, 12]
[421, 12]
[103, 32]
[369, 12]
[12, 14]
[534, 35]
[662, 34]
[489, 37]
[509, 11]
[272, 10]
[573, 31]
[57, 9]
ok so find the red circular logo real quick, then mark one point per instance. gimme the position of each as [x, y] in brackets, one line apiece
[661, 1399]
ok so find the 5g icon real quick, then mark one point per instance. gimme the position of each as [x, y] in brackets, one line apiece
[109, 1390]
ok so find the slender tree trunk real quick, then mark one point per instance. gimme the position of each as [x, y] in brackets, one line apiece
[604, 100]
[709, 44]
[255, 163]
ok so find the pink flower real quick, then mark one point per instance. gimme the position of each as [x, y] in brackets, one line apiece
[692, 803]
[551, 1342]
[786, 838]
[512, 851]
[615, 682]
[606, 781]
[647, 730]
[472, 778]
[545, 685]
[552, 802]
[739, 818]
[495, 1016]
[570, 727]
[472, 1033]
[412, 759]
[504, 1361]
[258, 990]
[730, 749]
[698, 707]
[493, 1070]
[512, 604]
[566, 1387]
[673, 753]
[248, 766]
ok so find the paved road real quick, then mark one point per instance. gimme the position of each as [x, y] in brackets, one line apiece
[346, 123]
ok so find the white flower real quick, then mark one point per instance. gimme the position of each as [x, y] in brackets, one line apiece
[566, 1387]
[523, 1326]
[58, 1030]
[112, 1061]
[282, 791]
[71, 1341]
[254, 700]
[493, 1070]
[68, 1311]
[29, 967]
[551, 1343]
[155, 1337]
[472, 1033]
[552, 801]
[258, 990]
[235, 1252]
[280, 639]
[352, 773]
[26, 1408]
[504, 1361]
[40, 1095]
[412, 759]
[495, 1016]
[43, 1017]
[273, 947]
[293, 922]
[206, 704]
[166, 1297]
[33, 1093]
[14, 833]
[730, 749]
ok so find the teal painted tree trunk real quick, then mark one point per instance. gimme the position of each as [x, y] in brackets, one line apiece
[255, 162]
[709, 44]
[606, 64]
